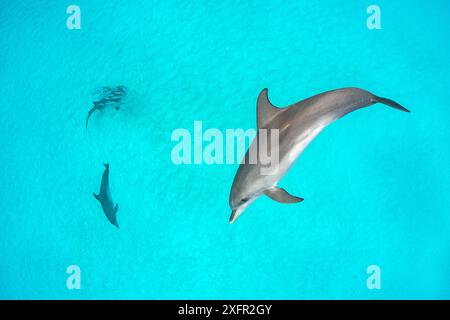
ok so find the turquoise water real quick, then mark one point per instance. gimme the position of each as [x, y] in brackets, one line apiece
[375, 183]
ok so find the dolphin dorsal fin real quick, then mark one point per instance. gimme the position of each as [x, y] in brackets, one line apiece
[266, 111]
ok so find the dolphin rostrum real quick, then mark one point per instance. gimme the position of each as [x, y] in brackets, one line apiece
[104, 197]
[297, 126]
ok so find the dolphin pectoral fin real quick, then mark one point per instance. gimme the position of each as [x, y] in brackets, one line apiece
[97, 196]
[281, 195]
[391, 103]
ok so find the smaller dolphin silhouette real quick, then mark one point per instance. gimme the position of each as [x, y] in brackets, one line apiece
[104, 197]
[110, 96]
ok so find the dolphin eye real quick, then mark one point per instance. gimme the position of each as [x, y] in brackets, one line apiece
[244, 200]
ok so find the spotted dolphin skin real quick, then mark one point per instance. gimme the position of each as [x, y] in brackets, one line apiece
[104, 197]
[297, 126]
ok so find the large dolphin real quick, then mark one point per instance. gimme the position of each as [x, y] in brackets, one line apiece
[104, 197]
[298, 125]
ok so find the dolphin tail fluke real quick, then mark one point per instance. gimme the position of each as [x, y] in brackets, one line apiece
[281, 195]
[390, 103]
[106, 165]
